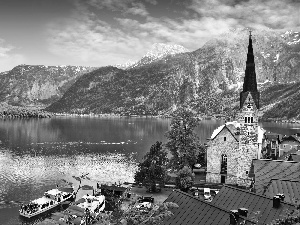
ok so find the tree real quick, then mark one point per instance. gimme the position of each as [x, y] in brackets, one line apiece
[185, 178]
[153, 169]
[133, 216]
[183, 143]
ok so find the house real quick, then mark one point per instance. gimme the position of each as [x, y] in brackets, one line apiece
[289, 188]
[193, 211]
[288, 143]
[264, 170]
[233, 145]
[272, 142]
[261, 208]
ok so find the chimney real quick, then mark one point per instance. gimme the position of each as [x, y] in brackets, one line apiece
[234, 216]
[243, 212]
[281, 196]
[276, 201]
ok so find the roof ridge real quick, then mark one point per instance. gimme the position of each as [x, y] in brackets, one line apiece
[278, 160]
[256, 194]
[285, 179]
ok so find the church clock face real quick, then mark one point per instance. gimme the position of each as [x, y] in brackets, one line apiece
[249, 106]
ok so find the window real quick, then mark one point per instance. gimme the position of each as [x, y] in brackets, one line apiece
[247, 172]
[248, 119]
[273, 144]
[252, 119]
[224, 138]
[223, 164]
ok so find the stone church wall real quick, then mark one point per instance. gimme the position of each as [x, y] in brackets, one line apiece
[216, 148]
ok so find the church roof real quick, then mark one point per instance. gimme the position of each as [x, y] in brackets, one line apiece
[234, 198]
[233, 128]
[265, 169]
[194, 211]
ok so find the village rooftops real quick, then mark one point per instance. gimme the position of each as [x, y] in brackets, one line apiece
[289, 188]
[264, 170]
[193, 211]
[234, 198]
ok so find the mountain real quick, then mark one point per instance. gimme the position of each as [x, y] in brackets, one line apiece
[38, 85]
[156, 52]
[208, 79]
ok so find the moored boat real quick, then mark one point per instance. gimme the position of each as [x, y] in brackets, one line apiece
[51, 199]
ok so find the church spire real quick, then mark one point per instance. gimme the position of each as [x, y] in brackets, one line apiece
[250, 84]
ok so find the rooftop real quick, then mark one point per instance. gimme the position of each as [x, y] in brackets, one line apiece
[290, 189]
[265, 170]
[235, 198]
[193, 211]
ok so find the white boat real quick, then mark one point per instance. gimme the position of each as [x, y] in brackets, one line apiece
[50, 200]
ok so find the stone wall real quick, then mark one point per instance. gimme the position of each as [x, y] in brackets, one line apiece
[216, 148]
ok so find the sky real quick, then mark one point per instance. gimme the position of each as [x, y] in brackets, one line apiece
[109, 32]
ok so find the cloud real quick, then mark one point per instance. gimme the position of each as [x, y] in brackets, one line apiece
[125, 6]
[9, 59]
[274, 14]
[153, 2]
[87, 38]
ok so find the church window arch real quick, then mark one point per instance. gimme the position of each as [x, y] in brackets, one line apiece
[223, 164]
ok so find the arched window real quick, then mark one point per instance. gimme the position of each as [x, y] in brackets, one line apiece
[252, 119]
[223, 164]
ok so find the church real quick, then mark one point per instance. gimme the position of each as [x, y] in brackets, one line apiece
[233, 145]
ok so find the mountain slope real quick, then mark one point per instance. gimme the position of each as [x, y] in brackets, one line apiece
[209, 79]
[37, 85]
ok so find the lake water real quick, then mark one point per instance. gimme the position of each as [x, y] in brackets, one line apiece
[36, 154]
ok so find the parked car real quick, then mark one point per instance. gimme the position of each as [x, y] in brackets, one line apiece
[207, 195]
[145, 199]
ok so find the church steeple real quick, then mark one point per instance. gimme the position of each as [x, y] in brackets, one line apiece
[250, 84]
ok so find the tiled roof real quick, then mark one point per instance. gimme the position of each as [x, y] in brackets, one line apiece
[291, 138]
[272, 136]
[235, 198]
[193, 211]
[264, 170]
[290, 189]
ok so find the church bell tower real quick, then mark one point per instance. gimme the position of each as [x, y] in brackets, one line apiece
[249, 102]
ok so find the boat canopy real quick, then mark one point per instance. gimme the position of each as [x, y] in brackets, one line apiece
[41, 200]
[53, 192]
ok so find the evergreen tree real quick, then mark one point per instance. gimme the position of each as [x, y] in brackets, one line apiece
[185, 179]
[153, 169]
[183, 143]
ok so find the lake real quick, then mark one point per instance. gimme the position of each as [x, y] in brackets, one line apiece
[36, 154]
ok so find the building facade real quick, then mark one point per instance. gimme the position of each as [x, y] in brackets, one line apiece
[233, 146]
